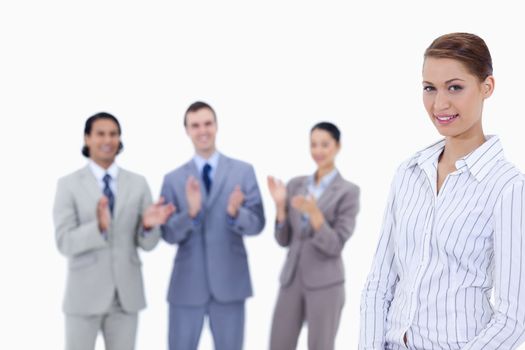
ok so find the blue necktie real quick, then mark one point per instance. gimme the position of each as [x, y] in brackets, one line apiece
[206, 177]
[108, 193]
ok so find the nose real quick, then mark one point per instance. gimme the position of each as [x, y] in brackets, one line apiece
[441, 101]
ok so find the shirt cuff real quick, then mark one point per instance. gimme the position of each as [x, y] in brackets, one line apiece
[145, 232]
[231, 219]
[197, 219]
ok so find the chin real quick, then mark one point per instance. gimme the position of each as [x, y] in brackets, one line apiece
[449, 132]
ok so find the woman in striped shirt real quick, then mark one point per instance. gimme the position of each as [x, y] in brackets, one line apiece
[454, 224]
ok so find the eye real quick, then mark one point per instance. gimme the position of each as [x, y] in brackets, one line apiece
[428, 88]
[455, 87]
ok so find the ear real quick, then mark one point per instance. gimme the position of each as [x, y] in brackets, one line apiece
[488, 86]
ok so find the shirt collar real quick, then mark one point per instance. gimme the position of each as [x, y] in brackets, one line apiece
[479, 162]
[325, 180]
[201, 161]
[99, 172]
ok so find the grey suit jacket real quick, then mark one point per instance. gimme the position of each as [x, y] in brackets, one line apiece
[98, 266]
[318, 253]
[211, 258]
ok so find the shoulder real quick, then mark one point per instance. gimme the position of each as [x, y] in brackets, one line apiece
[408, 165]
[296, 182]
[507, 176]
[178, 172]
[73, 177]
[132, 176]
[236, 163]
[348, 186]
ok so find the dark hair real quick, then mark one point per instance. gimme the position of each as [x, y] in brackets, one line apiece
[195, 106]
[89, 126]
[467, 48]
[330, 128]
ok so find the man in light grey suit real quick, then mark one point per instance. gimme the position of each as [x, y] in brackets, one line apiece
[218, 203]
[101, 214]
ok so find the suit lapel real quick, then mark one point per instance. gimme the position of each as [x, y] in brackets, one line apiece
[327, 197]
[218, 180]
[90, 185]
[123, 190]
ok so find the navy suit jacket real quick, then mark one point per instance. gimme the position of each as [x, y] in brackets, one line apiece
[211, 259]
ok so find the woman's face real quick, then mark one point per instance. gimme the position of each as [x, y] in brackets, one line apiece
[453, 97]
[323, 148]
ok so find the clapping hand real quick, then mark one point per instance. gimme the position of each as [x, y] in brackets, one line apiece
[193, 196]
[235, 201]
[157, 214]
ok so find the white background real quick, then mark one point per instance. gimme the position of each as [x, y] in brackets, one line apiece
[271, 70]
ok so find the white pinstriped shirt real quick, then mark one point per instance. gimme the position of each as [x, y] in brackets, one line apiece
[440, 255]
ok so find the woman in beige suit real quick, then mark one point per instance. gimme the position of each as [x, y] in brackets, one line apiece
[315, 217]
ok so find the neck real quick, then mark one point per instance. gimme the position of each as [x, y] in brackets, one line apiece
[206, 154]
[103, 163]
[321, 172]
[459, 146]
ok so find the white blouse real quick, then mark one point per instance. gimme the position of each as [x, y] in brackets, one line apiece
[439, 256]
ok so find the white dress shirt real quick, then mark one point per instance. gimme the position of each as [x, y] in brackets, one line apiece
[213, 161]
[440, 255]
[100, 172]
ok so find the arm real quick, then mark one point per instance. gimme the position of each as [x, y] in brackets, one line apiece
[379, 288]
[331, 239]
[74, 237]
[507, 326]
[146, 239]
[180, 225]
[283, 233]
[250, 217]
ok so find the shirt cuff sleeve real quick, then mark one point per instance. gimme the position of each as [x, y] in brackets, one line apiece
[231, 220]
[145, 232]
[197, 219]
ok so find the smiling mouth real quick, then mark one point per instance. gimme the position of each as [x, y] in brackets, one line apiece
[446, 119]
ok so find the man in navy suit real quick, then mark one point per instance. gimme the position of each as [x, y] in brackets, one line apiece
[218, 203]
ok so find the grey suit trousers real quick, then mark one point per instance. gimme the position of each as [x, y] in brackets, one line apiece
[118, 328]
[319, 308]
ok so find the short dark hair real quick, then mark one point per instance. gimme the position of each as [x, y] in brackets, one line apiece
[194, 107]
[466, 48]
[89, 126]
[331, 128]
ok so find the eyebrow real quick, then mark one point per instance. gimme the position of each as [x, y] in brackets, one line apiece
[446, 82]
